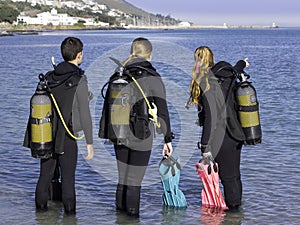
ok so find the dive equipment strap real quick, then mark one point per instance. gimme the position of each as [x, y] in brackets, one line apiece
[46, 86]
[170, 162]
[38, 121]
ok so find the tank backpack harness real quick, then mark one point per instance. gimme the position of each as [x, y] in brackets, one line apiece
[41, 118]
[123, 113]
[241, 98]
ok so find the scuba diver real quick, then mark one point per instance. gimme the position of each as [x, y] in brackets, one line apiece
[133, 146]
[222, 135]
[69, 90]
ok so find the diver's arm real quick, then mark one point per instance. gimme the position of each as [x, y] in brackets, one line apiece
[158, 91]
[85, 115]
[209, 102]
[241, 65]
[207, 123]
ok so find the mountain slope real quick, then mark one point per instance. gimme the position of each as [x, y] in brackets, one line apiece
[141, 17]
[124, 7]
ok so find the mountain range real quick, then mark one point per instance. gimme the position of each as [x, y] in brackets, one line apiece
[128, 8]
[124, 7]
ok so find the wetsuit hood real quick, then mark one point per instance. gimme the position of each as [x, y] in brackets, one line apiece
[64, 68]
[62, 72]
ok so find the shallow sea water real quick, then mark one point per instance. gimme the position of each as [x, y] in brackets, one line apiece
[270, 171]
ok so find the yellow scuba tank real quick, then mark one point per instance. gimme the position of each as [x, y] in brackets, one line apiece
[118, 107]
[41, 142]
[248, 111]
[125, 115]
[119, 110]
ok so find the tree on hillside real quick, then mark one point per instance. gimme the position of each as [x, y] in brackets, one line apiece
[8, 14]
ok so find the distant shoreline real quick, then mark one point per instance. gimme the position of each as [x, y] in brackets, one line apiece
[9, 30]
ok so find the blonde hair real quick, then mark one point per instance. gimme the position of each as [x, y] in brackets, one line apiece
[204, 60]
[140, 48]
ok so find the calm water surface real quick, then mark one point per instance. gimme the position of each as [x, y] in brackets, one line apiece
[270, 171]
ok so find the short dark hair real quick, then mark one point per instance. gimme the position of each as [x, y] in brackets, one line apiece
[70, 47]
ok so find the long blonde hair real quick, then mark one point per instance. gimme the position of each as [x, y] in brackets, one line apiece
[140, 48]
[204, 59]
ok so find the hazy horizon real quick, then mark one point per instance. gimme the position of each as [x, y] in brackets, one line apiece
[231, 12]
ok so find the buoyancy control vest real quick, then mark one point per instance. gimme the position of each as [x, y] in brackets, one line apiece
[126, 106]
[243, 121]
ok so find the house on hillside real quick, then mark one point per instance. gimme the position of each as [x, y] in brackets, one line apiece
[184, 24]
[46, 18]
[56, 19]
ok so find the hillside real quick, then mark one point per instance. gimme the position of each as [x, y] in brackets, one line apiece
[119, 12]
[141, 15]
[124, 6]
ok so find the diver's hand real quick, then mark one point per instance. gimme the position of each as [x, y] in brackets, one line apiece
[207, 157]
[153, 112]
[90, 150]
[246, 61]
[167, 150]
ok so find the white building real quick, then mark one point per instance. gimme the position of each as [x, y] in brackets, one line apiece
[184, 24]
[69, 4]
[54, 18]
[46, 18]
[115, 13]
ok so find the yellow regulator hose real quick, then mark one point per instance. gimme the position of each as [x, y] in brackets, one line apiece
[149, 106]
[63, 121]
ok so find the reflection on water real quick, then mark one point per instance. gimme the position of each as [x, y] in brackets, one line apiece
[211, 216]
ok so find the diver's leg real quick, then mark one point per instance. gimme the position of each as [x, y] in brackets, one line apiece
[137, 165]
[68, 162]
[228, 159]
[42, 187]
[122, 158]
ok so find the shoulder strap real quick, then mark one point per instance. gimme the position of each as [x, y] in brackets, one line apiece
[230, 89]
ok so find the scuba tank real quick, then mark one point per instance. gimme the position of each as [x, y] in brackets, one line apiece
[126, 108]
[119, 109]
[248, 111]
[41, 142]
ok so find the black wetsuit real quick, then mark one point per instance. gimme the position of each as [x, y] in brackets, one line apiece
[69, 87]
[223, 139]
[132, 160]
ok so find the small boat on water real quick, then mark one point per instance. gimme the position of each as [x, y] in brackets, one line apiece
[27, 32]
[18, 32]
[5, 33]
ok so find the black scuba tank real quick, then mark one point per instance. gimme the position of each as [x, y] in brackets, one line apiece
[41, 142]
[248, 111]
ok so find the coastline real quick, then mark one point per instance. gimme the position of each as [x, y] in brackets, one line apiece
[10, 30]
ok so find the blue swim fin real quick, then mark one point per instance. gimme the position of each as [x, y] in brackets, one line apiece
[169, 169]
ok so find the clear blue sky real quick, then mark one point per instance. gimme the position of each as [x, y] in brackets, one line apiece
[232, 12]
